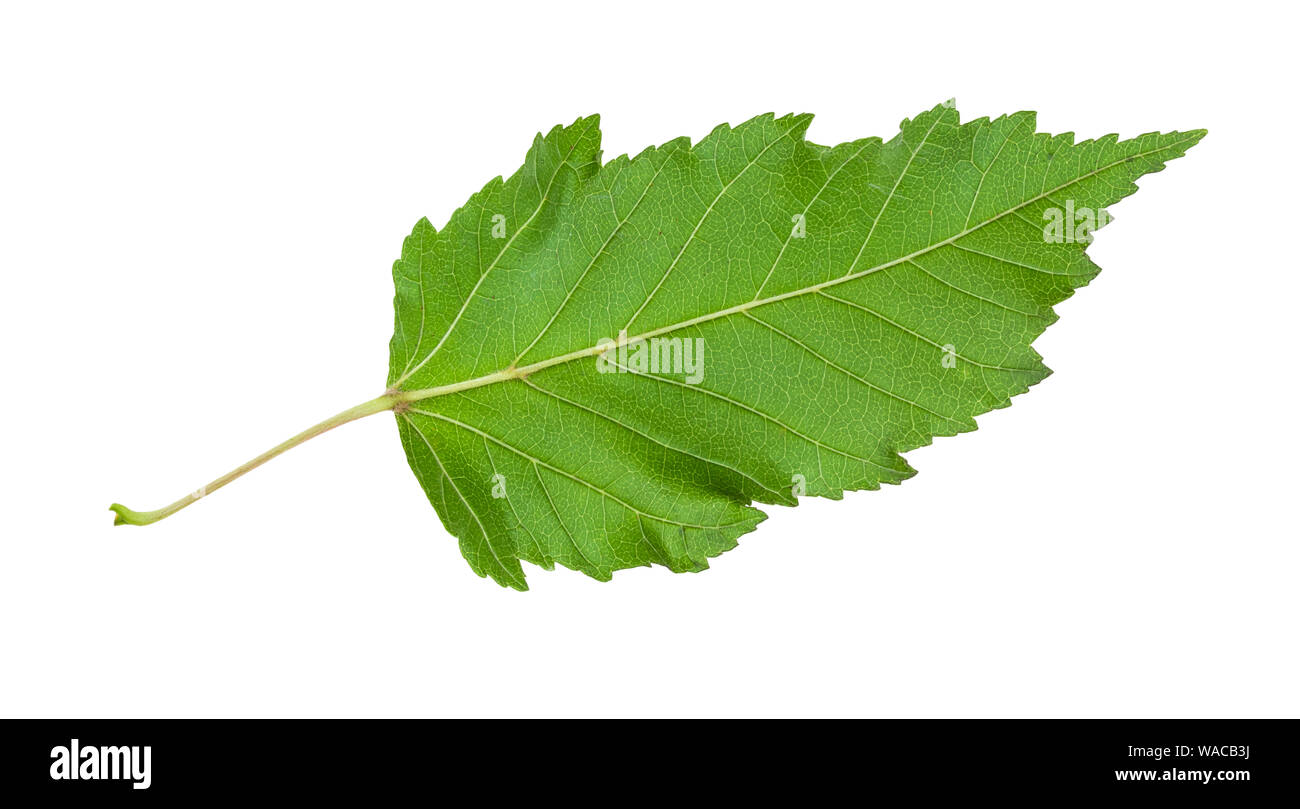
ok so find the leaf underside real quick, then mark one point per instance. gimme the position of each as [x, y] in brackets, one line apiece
[852, 303]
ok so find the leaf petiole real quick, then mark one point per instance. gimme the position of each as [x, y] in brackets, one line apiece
[126, 516]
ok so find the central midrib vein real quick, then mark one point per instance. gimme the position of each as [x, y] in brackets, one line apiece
[522, 371]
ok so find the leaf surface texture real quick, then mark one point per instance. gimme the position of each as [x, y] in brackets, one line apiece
[852, 303]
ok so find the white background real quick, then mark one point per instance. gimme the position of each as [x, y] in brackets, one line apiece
[199, 210]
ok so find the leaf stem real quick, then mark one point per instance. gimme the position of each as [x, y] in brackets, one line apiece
[126, 516]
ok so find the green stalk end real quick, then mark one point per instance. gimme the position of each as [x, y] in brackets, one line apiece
[125, 516]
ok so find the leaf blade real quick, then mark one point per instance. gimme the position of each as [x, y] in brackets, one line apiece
[907, 307]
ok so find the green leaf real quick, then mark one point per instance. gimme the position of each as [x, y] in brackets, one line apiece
[842, 305]
[604, 366]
